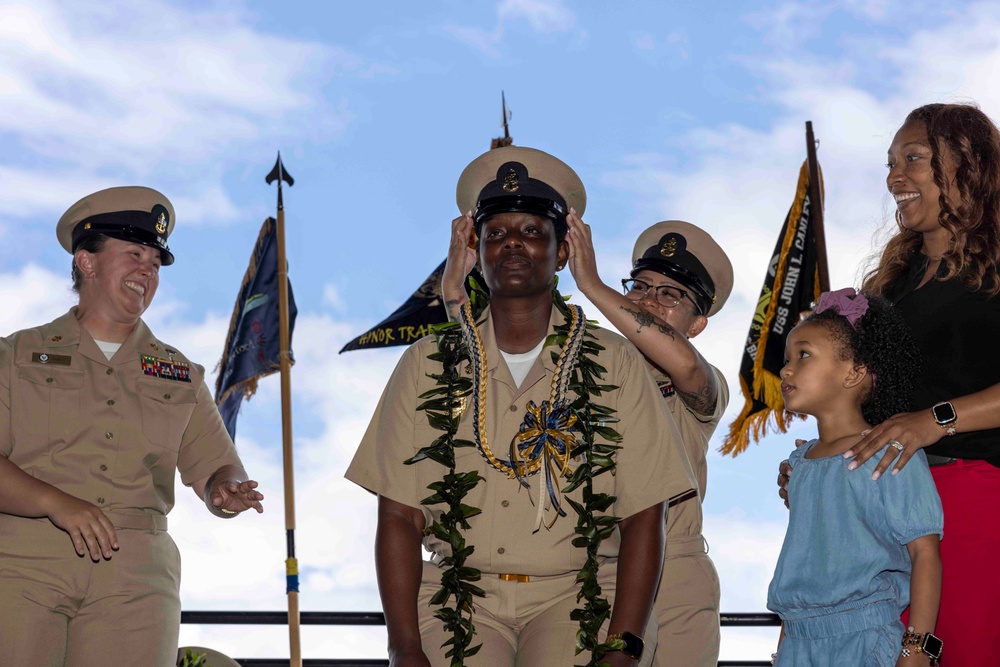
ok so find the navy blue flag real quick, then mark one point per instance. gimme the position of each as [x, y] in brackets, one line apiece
[252, 345]
[411, 321]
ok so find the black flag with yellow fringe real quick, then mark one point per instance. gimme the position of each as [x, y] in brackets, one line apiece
[791, 286]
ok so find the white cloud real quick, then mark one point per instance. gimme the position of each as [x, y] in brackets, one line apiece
[644, 42]
[543, 16]
[148, 88]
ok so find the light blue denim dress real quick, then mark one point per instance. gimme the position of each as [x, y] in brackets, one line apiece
[843, 576]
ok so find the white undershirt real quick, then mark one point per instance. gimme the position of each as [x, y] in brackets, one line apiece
[107, 348]
[520, 364]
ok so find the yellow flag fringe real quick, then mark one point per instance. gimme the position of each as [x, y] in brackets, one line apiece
[766, 385]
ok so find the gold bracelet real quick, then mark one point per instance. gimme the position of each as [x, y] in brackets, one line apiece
[225, 511]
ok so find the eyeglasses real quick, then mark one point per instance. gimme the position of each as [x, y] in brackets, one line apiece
[667, 296]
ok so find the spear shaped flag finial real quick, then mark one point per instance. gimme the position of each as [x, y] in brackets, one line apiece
[279, 173]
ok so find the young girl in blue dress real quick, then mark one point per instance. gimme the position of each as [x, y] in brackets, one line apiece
[856, 553]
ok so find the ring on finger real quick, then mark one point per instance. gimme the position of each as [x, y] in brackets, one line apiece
[897, 444]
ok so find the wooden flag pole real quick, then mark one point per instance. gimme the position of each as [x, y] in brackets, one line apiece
[284, 339]
[816, 201]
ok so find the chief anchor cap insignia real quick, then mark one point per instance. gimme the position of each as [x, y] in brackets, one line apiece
[161, 223]
[510, 183]
[669, 248]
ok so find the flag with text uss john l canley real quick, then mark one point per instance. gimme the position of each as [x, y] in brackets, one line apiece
[791, 286]
[252, 345]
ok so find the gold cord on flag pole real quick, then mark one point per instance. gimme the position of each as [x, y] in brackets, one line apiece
[291, 564]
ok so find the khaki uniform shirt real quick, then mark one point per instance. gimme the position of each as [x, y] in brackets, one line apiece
[104, 430]
[651, 466]
[685, 519]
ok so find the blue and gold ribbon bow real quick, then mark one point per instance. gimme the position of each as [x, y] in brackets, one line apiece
[544, 439]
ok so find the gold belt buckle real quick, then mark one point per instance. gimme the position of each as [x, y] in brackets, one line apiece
[522, 578]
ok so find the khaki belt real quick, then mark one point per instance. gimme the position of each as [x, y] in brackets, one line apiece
[522, 578]
[686, 546]
[138, 521]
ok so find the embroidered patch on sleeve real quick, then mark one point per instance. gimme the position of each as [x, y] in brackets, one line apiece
[166, 369]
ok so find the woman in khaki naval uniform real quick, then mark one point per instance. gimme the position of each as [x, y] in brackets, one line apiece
[96, 414]
[680, 278]
[529, 565]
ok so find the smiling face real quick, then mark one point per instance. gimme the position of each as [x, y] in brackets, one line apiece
[911, 179]
[684, 316]
[519, 255]
[815, 371]
[120, 280]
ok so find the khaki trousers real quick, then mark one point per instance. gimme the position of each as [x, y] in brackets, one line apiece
[60, 609]
[520, 624]
[687, 607]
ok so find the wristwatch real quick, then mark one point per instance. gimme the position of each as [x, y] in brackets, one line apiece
[928, 644]
[633, 644]
[945, 416]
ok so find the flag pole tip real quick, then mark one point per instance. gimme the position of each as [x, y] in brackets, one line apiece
[279, 173]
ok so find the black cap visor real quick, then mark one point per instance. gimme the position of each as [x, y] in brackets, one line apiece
[125, 226]
[702, 288]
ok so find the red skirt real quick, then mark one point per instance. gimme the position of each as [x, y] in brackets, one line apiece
[969, 620]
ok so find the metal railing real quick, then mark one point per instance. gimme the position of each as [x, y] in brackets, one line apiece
[377, 618]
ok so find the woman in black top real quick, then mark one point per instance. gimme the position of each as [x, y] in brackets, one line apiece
[940, 270]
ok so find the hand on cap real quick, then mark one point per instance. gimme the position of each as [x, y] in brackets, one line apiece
[462, 258]
[89, 528]
[582, 259]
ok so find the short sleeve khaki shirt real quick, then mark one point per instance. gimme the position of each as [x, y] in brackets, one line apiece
[685, 520]
[651, 466]
[108, 431]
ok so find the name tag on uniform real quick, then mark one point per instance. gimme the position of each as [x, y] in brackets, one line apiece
[46, 358]
[166, 369]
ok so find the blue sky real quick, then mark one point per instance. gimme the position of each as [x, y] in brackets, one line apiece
[685, 110]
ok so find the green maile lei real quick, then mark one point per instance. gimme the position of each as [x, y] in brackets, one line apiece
[444, 406]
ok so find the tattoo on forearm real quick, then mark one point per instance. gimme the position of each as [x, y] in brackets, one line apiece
[645, 319]
[453, 307]
[702, 401]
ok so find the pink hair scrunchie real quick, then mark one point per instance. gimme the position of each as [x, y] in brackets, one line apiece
[845, 302]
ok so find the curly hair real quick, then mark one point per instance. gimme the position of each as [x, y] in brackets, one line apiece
[971, 214]
[883, 344]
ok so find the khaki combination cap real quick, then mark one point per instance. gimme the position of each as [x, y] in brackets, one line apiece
[132, 213]
[519, 179]
[688, 254]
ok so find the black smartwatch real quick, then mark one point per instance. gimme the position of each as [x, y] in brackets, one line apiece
[926, 643]
[633, 644]
[945, 416]
[932, 646]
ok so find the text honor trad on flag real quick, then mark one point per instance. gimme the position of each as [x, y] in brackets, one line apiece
[791, 286]
[252, 346]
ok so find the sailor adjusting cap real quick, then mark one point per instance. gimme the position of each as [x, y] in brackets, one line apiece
[688, 254]
[137, 214]
[523, 180]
